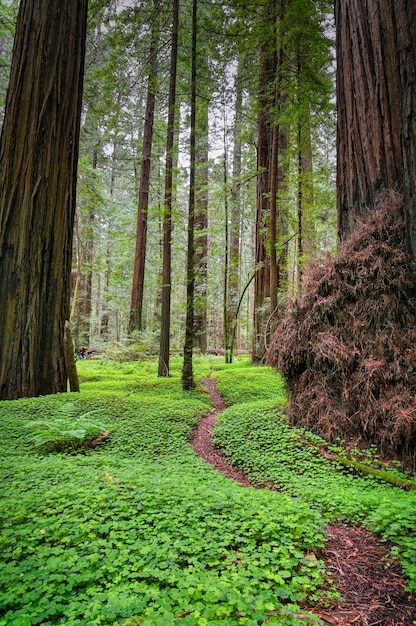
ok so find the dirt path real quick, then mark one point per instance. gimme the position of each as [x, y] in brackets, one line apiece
[374, 594]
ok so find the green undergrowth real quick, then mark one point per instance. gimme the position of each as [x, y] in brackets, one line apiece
[138, 527]
[138, 530]
[257, 439]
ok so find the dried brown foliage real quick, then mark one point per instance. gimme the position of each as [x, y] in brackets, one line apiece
[348, 347]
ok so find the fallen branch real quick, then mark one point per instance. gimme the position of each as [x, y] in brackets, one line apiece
[367, 470]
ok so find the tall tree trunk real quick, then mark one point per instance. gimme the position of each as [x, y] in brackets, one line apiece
[187, 372]
[38, 167]
[201, 224]
[85, 303]
[305, 241]
[136, 303]
[405, 13]
[225, 304]
[368, 85]
[262, 259]
[163, 367]
[265, 172]
[235, 220]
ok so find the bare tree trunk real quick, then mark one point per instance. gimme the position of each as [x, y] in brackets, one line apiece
[187, 371]
[368, 133]
[85, 283]
[267, 78]
[235, 215]
[163, 367]
[405, 13]
[225, 303]
[274, 270]
[137, 292]
[38, 168]
[305, 237]
[201, 225]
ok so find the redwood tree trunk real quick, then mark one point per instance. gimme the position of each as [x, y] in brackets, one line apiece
[38, 166]
[163, 367]
[266, 174]
[137, 292]
[188, 382]
[235, 219]
[368, 133]
[406, 64]
[201, 224]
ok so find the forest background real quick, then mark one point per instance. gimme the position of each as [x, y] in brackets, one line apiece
[264, 91]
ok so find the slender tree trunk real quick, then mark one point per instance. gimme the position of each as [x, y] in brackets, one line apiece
[225, 303]
[368, 85]
[38, 168]
[136, 304]
[187, 372]
[85, 302]
[163, 367]
[201, 225]
[235, 219]
[306, 235]
[274, 270]
[262, 259]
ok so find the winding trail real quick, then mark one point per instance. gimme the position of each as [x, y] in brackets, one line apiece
[202, 437]
[373, 590]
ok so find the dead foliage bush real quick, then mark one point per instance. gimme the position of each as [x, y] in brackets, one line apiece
[348, 347]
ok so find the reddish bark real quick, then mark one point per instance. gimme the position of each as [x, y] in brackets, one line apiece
[38, 168]
[368, 88]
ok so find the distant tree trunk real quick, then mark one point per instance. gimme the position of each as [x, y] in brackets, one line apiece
[163, 367]
[38, 167]
[305, 179]
[274, 154]
[368, 97]
[201, 225]
[81, 284]
[136, 304]
[225, 302]
[187, 371]
[86, 253]
[235, 218]
[262, 258]
[266, 280]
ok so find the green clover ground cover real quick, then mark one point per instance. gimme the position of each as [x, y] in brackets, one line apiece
[140, 527]
[256, 438]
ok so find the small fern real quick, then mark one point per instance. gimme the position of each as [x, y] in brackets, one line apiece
[65, 430]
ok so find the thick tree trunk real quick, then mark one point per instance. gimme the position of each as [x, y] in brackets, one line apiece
[163, 367]
[137, 292]
[38, 165]
[368, 134]
[406, 63]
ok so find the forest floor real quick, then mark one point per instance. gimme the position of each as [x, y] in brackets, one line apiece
[372, 589]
